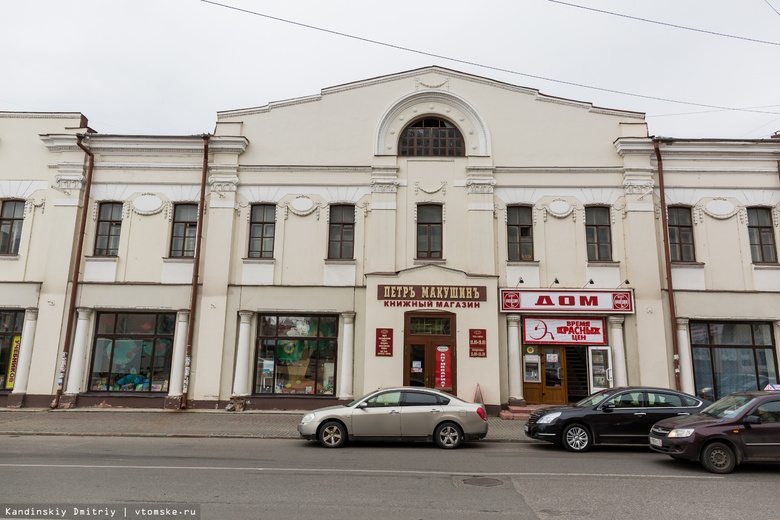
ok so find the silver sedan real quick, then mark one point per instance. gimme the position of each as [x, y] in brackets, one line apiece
[402, 413]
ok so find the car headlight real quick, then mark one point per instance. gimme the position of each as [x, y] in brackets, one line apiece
[550, 417]
[681, 433]
[307, 418]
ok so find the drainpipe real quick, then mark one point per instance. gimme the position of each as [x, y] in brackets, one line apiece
[667, 260]
[76, 265]
[195, 269]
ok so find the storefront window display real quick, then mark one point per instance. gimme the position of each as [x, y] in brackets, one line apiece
[10, 339]
[732, 357]
[296, 355]
[132, 352]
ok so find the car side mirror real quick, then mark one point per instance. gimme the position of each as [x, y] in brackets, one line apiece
[364, 404]
[752, 419]
[608, 407]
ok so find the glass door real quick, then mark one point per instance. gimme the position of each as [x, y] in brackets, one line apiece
[429, 351]
[599, 368]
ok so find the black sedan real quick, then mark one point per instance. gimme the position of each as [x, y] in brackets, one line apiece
[622, 415]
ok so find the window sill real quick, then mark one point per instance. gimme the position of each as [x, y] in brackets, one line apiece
[9, 257]
[687, 265]
[350, 261]
[603, 263]
[424, 261]
[522, 262]
[253, 260]
[102, 258]
[767, 266]
[179, 259]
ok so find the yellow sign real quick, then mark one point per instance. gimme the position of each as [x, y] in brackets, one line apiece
[13, 362]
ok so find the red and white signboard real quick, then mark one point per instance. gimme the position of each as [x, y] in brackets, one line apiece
[562, 301]
[443, 367]
[560, 331]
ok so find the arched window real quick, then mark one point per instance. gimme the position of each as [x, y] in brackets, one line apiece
[431, 137]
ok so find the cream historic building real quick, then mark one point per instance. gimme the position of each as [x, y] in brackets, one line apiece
[426, 228]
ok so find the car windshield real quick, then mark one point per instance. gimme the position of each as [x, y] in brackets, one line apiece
[729, 406]
[594, 399]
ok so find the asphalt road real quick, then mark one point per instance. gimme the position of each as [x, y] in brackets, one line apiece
[293, 479]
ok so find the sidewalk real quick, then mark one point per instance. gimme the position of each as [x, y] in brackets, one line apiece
[189, 423]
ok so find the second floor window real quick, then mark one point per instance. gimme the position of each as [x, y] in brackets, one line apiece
[341, 238]
[261, 231]
[681, 235]
[109, 227]
[185, 228]
[519, 229]
[597, 233]
[429, 231]
[11, 220]
[762, 236]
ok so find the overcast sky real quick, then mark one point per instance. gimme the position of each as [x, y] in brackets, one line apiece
[168, 66]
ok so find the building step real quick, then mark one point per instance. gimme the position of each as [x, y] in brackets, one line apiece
[520, 413]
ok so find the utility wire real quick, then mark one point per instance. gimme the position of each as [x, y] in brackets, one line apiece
[465, 62]
[668, 24]
[773, 8]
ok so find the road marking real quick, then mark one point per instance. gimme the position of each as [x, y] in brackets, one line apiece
[363, 471]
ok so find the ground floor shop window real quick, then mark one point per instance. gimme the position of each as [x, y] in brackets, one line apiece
[732, 357]
[10, 341]
[132, 352]
[296, 354]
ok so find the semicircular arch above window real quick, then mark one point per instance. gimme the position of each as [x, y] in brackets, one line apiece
[431, 137]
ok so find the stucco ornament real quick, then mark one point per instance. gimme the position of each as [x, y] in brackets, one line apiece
[720, 209]
[302, 206]
[148, 204]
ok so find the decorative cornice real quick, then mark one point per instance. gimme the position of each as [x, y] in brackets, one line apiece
[305, 169]
[105, 145]
[558, 169]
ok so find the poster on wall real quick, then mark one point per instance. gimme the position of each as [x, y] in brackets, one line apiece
[561, 331]
[384, 342]
[443, 366]
[477, 343]
[14, 362]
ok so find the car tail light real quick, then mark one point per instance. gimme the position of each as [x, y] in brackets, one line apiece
[481, 413]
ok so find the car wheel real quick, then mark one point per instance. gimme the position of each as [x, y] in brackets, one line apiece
[718, 458]
[577, 437]
[332, 434]
[448, 435]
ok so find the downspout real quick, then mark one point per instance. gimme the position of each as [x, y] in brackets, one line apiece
[76, 265]
[195, 269]
[668, 262]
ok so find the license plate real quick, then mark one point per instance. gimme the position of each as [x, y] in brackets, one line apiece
[655, 442]
[525, 428]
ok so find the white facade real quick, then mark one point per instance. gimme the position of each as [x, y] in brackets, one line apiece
[330, 164]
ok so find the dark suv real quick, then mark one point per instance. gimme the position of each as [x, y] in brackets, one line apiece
[741, 427]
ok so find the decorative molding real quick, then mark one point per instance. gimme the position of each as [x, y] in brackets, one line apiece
[559, 209]
[720, 208]
[148, 204]
[384, 184]
[221, 184]
[302, 206]
[476, 185]
[30, 203]
[444, 83]
[442, 188]
[641, 187]
[68, 182]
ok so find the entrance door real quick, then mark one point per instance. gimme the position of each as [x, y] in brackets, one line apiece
[429, 351]
[553, 375]
[430, 364]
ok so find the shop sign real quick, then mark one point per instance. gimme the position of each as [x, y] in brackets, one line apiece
[562, 331]
[432, 296]
[443, 366]
[477, 343]
[384, 342]
[561, 301]
[14, 362]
